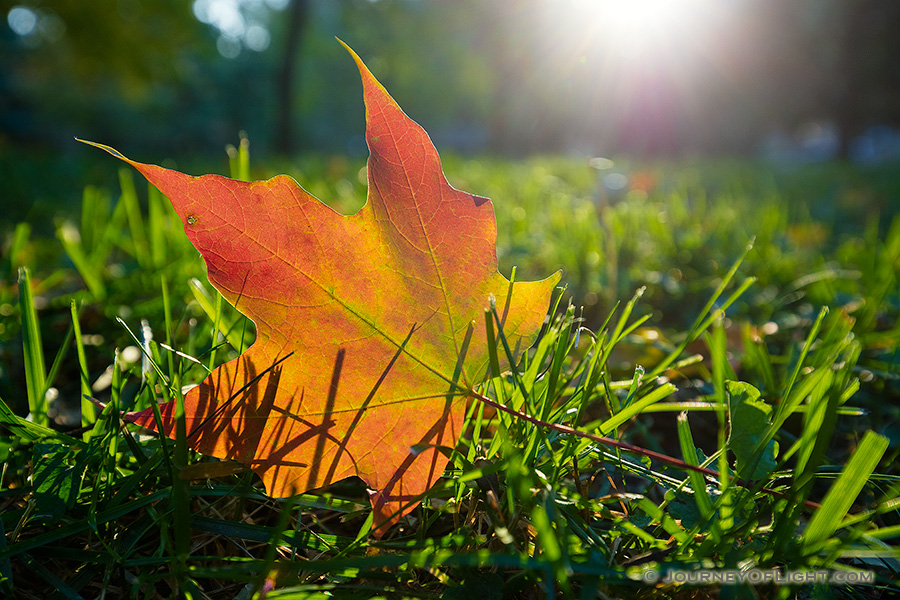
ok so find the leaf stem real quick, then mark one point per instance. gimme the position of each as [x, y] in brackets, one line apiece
[611, 443]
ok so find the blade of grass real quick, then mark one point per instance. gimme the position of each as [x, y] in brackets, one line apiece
[35, 373]
[181, 498]
[699, 406]
[284, 517]
[88, 411]
[81, 525]
[790, 400]
[19, 241]
[560, 352]
[239, 159]
[843, 492]
[167, 311]
[551, 550]
[783, 408]
[636, 407]
[70, 239]
[704, 319]
[157, 216]
[215, 332]
[689, 452]
[94, 213]
[718, 353]
[61, 587]
[493, 358]
[58, 360]
[135, 220]
[156, 368]
[29, 431]
[208, 305]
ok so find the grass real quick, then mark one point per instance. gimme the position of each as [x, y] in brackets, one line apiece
[734, 407]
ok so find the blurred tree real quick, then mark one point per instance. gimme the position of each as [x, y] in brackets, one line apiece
[298, 17]
[428, 54]
[81, 63]
[868, 82]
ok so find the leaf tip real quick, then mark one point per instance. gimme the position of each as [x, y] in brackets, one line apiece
[353, 54]
[370, 83]
[109, 149]
[554, 279]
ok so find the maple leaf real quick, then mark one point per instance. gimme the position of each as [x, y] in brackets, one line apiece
[368, 338]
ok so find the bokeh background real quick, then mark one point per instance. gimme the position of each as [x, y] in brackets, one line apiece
[802, 80]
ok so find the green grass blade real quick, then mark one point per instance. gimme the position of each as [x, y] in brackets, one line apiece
[19, 241]
[31, 432]
[551, 549]
[636, 407]
[81, 525]
[69, 238]
[844, 491]
[35, 372]
[784, 407]
[704, 319]
[16, 246]
[88, 410]
[51, 578]
[206, 302]
[244, 158]
[718, 354]
[217, 320]
[58, 360]
[493, 357]
[135, 220]
[559, 354]
[689, 453]
[93, 217]
[239, 159]
[157, 217]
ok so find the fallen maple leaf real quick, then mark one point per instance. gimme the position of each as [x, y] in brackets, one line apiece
[368, 338]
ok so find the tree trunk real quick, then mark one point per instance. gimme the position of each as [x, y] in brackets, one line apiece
[285, 141]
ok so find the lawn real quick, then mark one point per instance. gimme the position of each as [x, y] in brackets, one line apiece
[733, 317]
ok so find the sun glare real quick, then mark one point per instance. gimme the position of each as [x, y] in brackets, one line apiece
[641, 17]
[641, 66]
[638, 27]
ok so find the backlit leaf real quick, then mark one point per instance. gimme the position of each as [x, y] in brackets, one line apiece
[367, 325]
